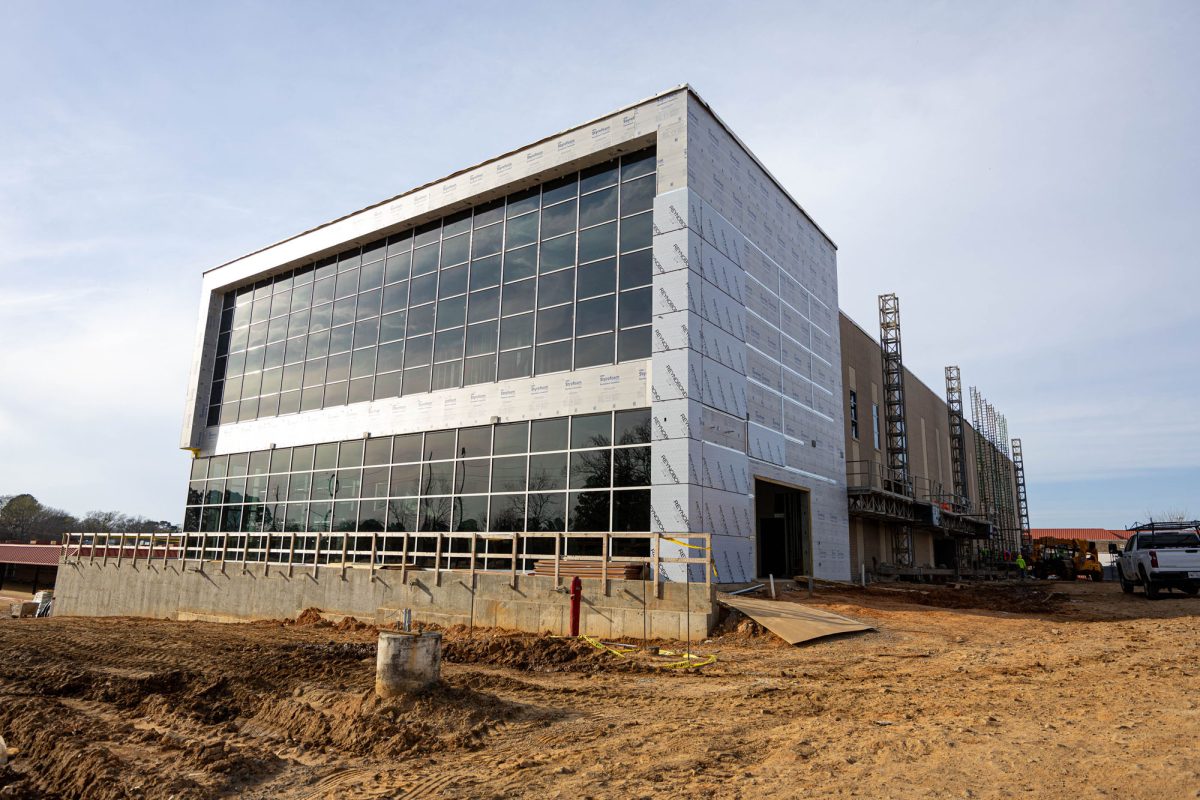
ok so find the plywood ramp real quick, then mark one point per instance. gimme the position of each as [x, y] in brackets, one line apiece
[792, 622]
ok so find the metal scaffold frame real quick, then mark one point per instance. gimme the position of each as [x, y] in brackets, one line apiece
[1018, 457]
[894, 415]
[954, 411]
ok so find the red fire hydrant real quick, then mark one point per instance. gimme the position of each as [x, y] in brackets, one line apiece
[576, 598]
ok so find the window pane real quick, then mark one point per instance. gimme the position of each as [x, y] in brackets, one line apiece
[439, 445]
[639, 163]
[391, 356]
[518, 297]
[555, 323]
[341, 338]
[520, 263]
[558, 220]
[435, 513]
[391, 326]
[489, 213]
[515, 364]
[637, 196]
[418, 351]
[548, 434]
[548, 471]
[588, 511]
[416, 380]
[511, 437]
[397, 268]
[636, 269]
[425, 260]
[634, 343]
[557, 288]
[455, 250]
[447, 375]
[598, 278]
[636, 232]
[631, 510]
[448, 345]
[366, 332]
[474, 442]
[406, 480]
[471, 513]
[553, 357]
[481, 369]
[420, 320]
[507, 513]
[422, 290]
[591, 469]
[632, 426]
[522, 202]
[559, 253]
[634, 308]
[599, 242]
[560, 189]
[481, 338]
[598, 207]
[594, 316]
[402, 516]
[548, 512]
[594, 351]
[452, 312]
[516, 331]
[521, 230]
[631, 466]
[487, 240]
[453, 281]
[474, 476]
[339, 368]
[483, 305]
[437, 477]
[591, 430]
[485, 272]
[508, 474]
[600, 175]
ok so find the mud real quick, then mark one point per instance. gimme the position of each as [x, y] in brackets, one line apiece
[957, 695]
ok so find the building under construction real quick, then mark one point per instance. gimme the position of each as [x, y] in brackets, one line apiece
[934, 483]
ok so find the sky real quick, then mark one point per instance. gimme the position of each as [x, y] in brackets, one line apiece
[1023, 175]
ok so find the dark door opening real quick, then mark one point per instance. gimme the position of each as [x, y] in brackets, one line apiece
[945, 553]
[782, 520]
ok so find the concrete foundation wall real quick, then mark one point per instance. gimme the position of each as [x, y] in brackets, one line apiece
[629, 608]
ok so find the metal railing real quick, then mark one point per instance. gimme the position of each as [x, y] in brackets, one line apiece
[874, 475]
[415, 551]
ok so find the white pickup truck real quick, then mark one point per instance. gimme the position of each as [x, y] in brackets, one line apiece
[1159, 560]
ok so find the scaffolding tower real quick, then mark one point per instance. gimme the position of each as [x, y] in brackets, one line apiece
[1018, 458]
[958, 458]
[894, 418]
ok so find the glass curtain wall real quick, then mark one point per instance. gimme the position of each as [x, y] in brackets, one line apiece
[586, 473]
[550, 279]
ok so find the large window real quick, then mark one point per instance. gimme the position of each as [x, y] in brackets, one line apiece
[553, 278]
[587, 473]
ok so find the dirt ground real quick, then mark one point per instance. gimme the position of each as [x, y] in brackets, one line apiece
[961, 693]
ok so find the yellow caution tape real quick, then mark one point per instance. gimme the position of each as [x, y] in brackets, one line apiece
[711, 563]
[689, 659]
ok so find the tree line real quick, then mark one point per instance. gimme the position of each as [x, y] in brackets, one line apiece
[24, 519]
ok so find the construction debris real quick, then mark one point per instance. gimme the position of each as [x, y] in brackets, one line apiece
[793, 622]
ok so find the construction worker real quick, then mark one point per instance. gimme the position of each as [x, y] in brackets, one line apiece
[1021, 564]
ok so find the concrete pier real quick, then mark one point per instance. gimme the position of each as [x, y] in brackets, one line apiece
[407, 662]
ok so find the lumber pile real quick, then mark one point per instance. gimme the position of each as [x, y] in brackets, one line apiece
[617, 570]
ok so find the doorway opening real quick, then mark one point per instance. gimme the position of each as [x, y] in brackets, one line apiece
[782, 515]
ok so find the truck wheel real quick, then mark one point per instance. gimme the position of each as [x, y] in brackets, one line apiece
[1151, 589]
[1126, 585]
